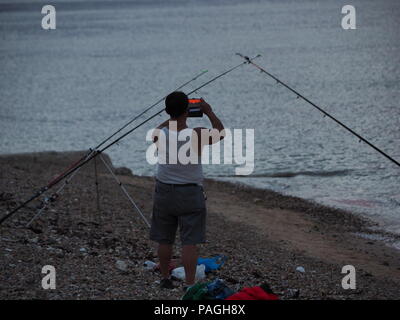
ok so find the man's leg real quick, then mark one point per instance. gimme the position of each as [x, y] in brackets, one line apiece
[189, 260]
[165, 255]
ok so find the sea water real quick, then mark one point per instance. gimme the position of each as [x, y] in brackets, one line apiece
[68, 88]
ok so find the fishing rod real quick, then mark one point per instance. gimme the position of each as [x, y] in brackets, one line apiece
[95, 153]
[147, 109]
[249, 61]
[123, 127]
[91, 151]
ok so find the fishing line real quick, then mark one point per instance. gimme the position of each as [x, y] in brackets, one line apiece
[249, 61]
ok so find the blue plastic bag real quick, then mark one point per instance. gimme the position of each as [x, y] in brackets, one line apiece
[219, 290]
[213, 263]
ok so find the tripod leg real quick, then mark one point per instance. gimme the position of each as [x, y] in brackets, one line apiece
[97, 188]
[125, 192]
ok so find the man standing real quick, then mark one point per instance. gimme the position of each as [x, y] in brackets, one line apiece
[179, 198]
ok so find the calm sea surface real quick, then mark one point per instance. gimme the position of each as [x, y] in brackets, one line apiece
[68, 88]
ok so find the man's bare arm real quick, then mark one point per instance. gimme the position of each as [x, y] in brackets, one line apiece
[215, 121]
[213, 135]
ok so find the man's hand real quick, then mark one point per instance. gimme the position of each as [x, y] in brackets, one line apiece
[205, 107]
[217, 132]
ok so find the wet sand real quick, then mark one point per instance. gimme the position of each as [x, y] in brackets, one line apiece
[264, 234]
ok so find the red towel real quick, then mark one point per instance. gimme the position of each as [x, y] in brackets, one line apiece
[254, 293]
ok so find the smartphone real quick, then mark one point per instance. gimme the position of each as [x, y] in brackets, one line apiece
[194, 109]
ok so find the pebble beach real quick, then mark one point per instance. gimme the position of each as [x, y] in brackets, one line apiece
[98, 246]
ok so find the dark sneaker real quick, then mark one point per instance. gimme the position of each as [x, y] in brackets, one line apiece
[167, 284]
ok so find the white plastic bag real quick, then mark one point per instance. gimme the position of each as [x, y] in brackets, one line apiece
[179, 273]
[150, 265]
